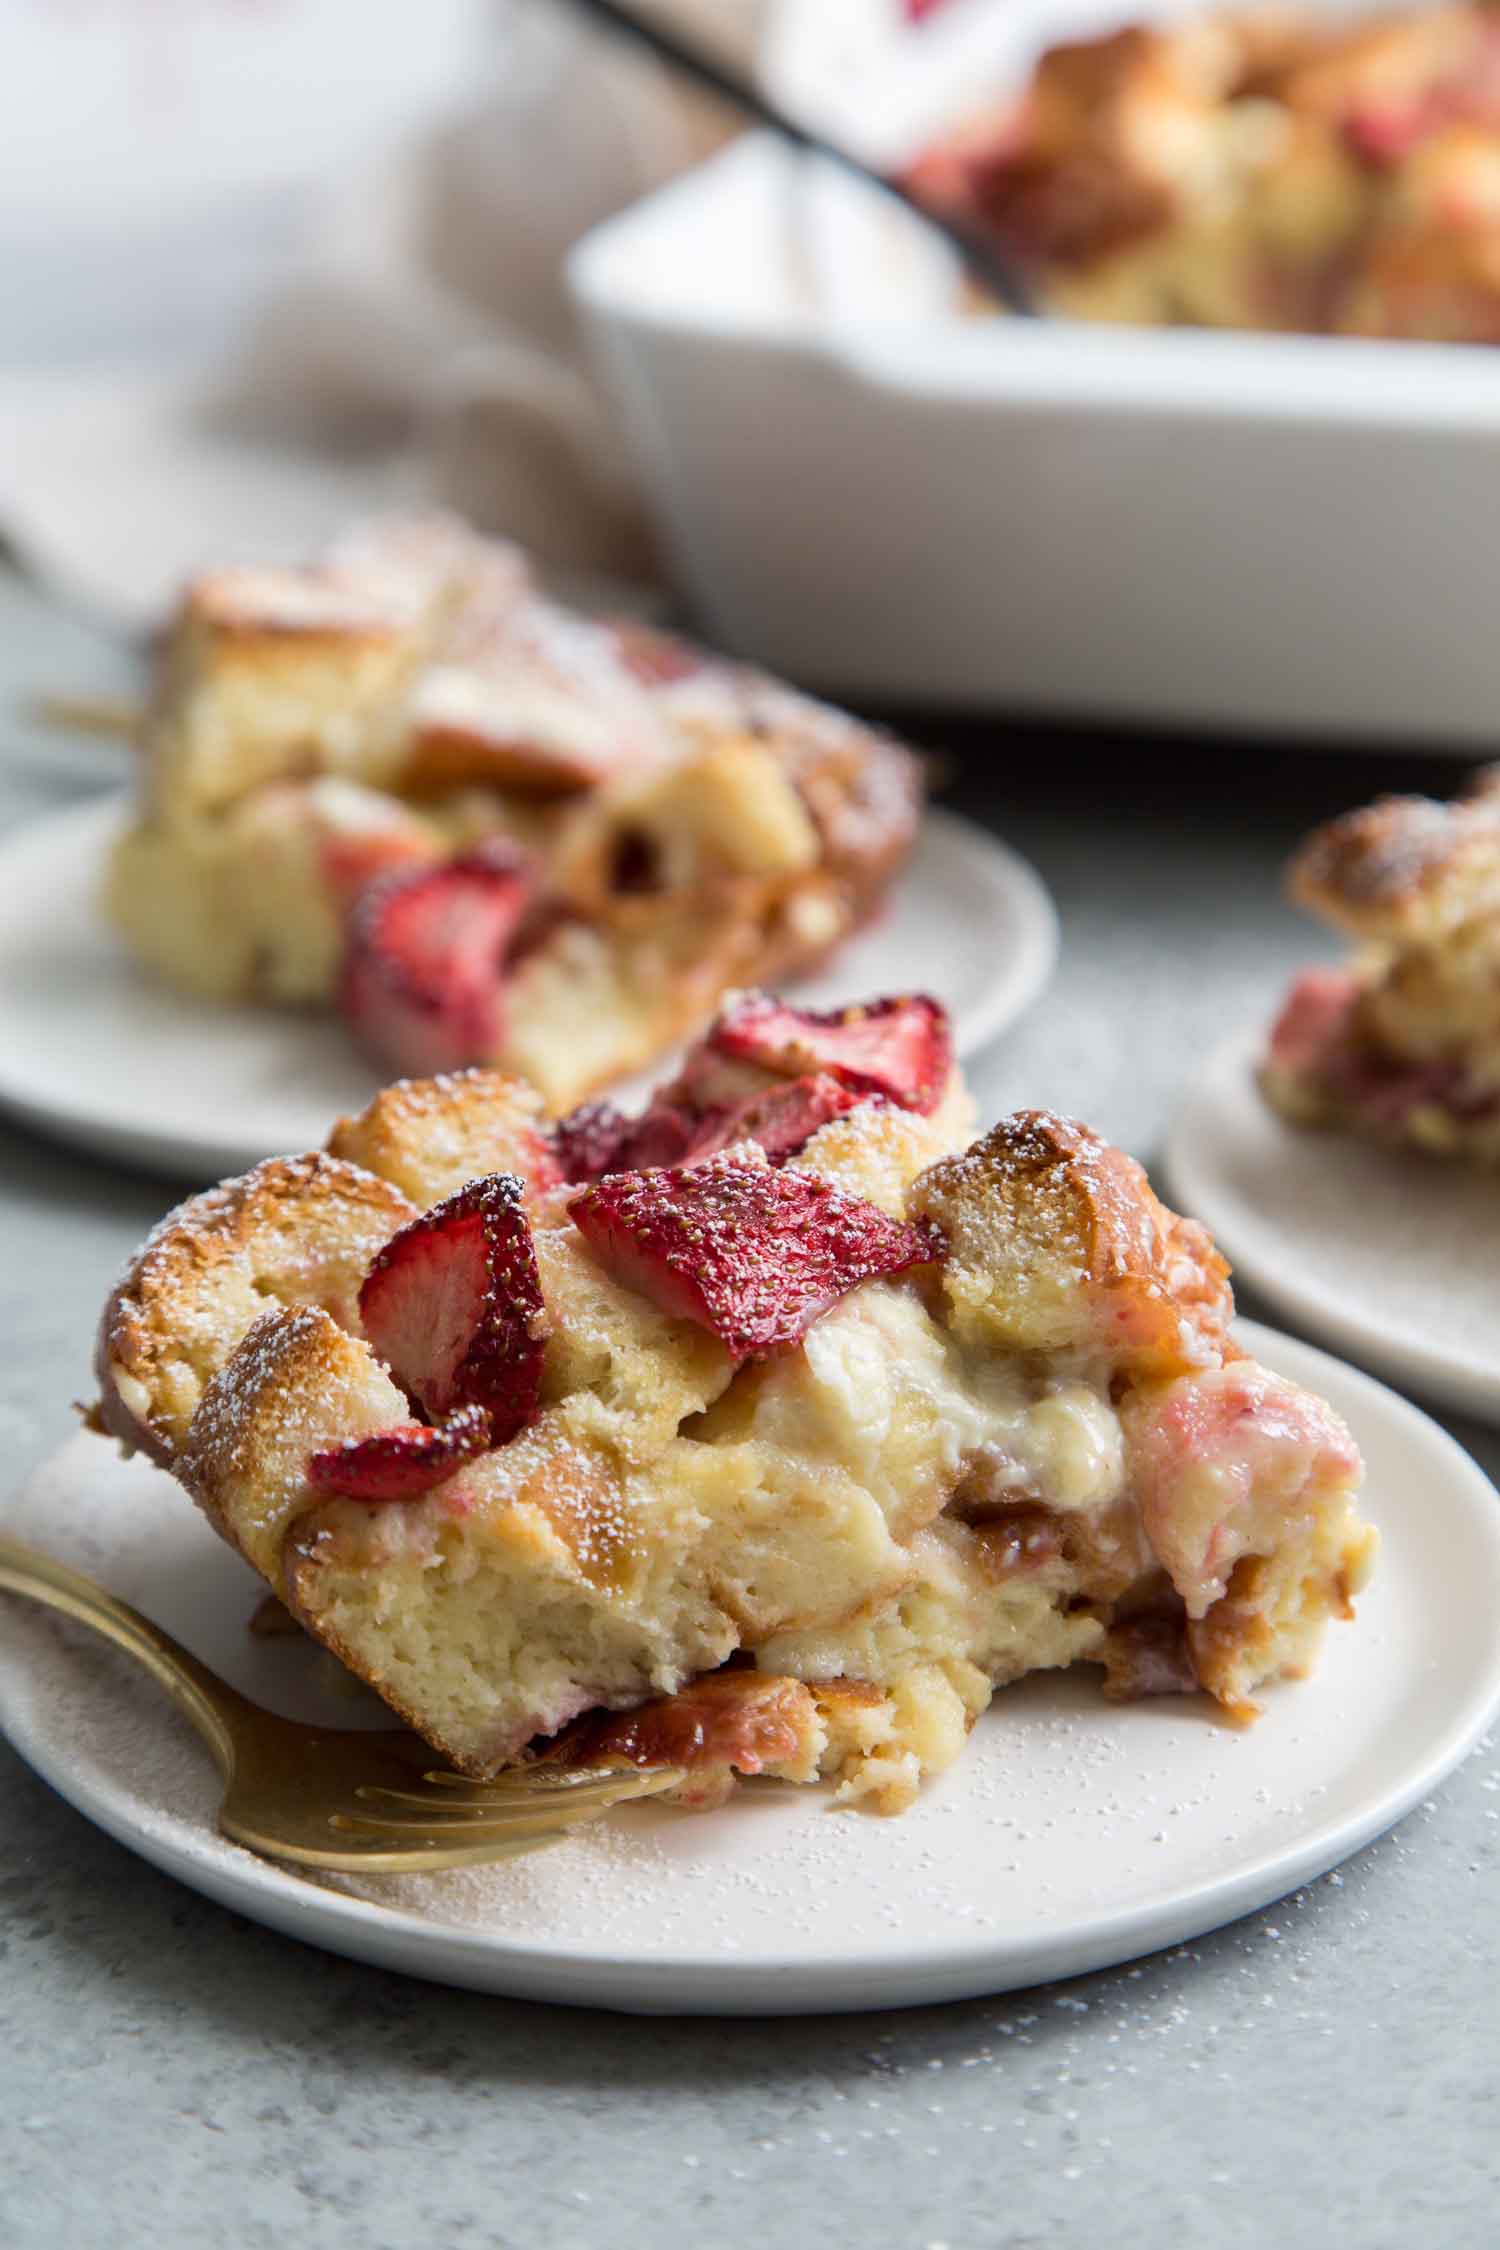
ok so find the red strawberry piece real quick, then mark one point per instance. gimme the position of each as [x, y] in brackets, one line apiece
[587, 1142]
[753, 1254]
[424, 964]
[781, 1120]
[663, 1134]
[598, 1138]
[902, 1048]
[1384, 134]
[1316, 1022]
[453, 1305]
[655, 659]
[403, 1463]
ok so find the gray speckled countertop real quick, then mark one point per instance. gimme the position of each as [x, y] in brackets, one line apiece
[1324, 2074]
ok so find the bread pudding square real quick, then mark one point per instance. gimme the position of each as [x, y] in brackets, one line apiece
[1403, 1044]
[767, 1432]
[400, 783]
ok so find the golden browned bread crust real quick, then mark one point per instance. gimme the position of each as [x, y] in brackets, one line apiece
[1085, 182]
[427, 1136]
[269, 674]
[1404, 867]
[295, 1231]
[295, 1380]
[1057, 1243]
[862, 788]
[866, 803]
[263, 612]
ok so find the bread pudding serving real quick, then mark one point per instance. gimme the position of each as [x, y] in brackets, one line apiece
[1404, 1044]
[766, 1432]
[402, 783]
[1279, 168]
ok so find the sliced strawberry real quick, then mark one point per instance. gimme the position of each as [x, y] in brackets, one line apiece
[587, 1142]
[598, 1138]
[453, 1305]
[782, 1120]
[753, 1254]
[403, 1463]
[424, 966]
[902, 1048]
[663, 1134]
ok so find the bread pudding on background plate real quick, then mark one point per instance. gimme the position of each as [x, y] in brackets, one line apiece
[400, 782]
[767, 1432]
[1403, 1045]
[1273, 168]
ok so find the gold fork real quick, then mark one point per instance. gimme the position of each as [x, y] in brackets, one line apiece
[336, 1797]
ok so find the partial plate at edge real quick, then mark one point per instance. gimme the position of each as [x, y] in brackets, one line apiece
[1391, 1256]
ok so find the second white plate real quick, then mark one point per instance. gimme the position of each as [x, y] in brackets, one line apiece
[93, 1053]
[1388, 1256]
[1073, 1833]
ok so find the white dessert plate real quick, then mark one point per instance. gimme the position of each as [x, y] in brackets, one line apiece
[1072, 1834]
[1389, 1257]
[94, 1053]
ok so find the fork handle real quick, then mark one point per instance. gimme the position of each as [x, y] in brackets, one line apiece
[986, 260]
[207, 1700]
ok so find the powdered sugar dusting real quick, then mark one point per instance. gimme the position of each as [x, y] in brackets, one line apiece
[257, 1362]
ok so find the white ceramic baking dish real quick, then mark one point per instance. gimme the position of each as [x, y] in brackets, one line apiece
[867, 490]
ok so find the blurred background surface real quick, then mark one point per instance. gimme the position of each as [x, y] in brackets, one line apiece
[160, 158]
[269, 262]
[272, 263]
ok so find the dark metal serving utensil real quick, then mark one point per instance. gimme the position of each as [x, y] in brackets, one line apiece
[986, 262]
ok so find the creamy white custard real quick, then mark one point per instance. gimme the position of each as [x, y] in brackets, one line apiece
[879, 1387]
